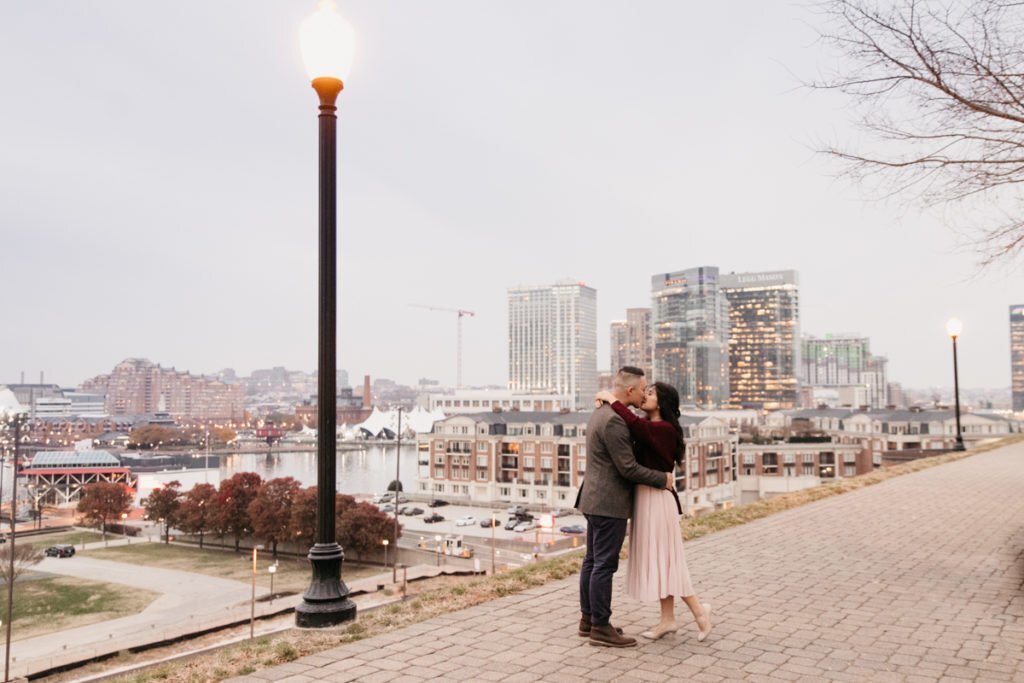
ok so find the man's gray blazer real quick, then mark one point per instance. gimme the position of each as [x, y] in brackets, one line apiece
[612, 469]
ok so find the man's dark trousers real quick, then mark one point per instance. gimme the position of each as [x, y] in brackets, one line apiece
[604, 541]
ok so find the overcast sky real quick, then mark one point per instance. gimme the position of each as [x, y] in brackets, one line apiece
[158, 184]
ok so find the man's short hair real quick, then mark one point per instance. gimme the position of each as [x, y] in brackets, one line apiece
[628, 376]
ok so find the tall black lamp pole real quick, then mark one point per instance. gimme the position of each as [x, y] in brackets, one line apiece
[954, 327]
[327, 48]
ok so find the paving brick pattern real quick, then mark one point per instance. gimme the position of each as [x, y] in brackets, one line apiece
[920, 578]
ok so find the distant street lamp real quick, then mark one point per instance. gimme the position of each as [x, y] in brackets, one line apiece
[385, 544]
[438, 539]
[273, 570]
[124, 526]
[252, 603]
[328, 45]
[954, 327]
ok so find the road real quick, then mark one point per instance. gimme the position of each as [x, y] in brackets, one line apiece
[185, 600]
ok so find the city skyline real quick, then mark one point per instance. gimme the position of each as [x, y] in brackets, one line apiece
[166, 208]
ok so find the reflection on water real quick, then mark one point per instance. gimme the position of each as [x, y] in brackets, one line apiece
[368, 470]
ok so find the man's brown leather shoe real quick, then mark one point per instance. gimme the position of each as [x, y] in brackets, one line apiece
[585, 627]
[609, 636]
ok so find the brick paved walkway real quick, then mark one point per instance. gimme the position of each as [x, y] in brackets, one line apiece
[916, 579]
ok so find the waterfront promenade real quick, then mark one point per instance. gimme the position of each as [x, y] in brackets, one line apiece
[918, 578]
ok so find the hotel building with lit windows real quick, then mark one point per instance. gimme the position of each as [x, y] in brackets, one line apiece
[690, 322]
[764, 338]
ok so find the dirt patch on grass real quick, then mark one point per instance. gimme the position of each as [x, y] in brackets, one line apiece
[75, 538]
[45, 605]
[292, 573]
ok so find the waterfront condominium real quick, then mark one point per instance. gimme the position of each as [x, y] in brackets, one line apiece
[690, 321]
[764, 338]
[1017, 356]
[631, 341]
[552, 340]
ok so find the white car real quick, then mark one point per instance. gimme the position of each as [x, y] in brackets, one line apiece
[525, 526]
[465, 521]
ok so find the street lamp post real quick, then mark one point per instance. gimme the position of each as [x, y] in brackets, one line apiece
[124, 526]
[327, 49]
[438, 539]
[385, 544]
[954, 327]
[252, 603]
[398, 485]
[273, 570]
[19, 422]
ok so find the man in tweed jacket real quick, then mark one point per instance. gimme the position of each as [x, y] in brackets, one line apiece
[606, 499]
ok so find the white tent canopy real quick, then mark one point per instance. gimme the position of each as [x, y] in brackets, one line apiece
[8, 403]
[384, 423]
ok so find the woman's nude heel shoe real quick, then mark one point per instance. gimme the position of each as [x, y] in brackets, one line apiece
[707, 618]
[655, 634]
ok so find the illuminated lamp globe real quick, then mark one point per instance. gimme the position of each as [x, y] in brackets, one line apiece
[328, 43]
[954, 327]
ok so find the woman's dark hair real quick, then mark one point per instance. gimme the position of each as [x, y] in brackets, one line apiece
[668, 408]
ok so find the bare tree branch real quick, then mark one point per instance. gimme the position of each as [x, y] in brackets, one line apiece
[940, 88]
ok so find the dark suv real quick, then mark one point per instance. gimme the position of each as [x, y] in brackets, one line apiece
[60, 550]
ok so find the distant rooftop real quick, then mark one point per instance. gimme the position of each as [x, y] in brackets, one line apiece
[61, 459]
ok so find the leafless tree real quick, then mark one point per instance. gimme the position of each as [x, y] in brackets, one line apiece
[25, 556]
[940, 86]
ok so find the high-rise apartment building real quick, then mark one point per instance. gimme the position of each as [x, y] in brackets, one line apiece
[764, 338]
[1017, 356]
[631, 341]
[843, 361]
[552, 340]
[690, 321]
[136, 386]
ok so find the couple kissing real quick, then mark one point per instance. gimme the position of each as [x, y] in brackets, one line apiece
[630, 468]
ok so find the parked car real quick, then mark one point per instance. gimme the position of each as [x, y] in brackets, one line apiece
[524, 526]
[488, 522]
[60, 550]
[562, 512]
[437, 503]
[515, 510]
[573, 529]
[411, 511]
[430, 519]
[387, 507]
[468, 520]
[512, 524]
[523, 516]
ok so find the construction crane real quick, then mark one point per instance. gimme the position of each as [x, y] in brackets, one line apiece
[460, 313]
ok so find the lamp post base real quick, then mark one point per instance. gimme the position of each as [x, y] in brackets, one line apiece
[959, 446]
[326, 602]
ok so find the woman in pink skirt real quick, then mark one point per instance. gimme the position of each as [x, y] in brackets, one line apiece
[657, 566]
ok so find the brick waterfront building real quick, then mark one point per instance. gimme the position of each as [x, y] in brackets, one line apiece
[539, 458]
[137, 386]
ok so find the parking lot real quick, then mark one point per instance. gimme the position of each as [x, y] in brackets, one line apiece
[417, 529]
